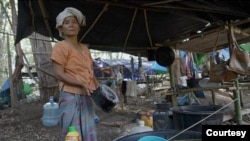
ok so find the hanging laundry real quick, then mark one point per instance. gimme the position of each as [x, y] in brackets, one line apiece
[188, 64]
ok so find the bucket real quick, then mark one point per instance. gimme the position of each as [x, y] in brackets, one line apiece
[185, 116]
[162, 120]
[163, 105]
[162, 116]
[166, 134]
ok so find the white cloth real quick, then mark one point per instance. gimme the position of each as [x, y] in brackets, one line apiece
[70, 11]
[119, 77]
[131, 88]
[183, 80]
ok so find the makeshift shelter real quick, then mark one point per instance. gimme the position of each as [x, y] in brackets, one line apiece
[141, 26]
[103, 68]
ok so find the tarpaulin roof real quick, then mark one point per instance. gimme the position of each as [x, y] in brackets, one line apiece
[138, 26]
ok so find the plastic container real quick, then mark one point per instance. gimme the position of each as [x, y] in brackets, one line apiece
[162, 116]
[152, 138]
[148, 120]
[51, 113]
[167, 134]
[162, 120]
[163, 105]
[72, 135]
[140, 128]
[185, 116]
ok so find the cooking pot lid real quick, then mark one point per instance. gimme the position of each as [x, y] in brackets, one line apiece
[164, 56]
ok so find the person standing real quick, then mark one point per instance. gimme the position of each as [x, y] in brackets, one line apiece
[119, 79]
[73, 66]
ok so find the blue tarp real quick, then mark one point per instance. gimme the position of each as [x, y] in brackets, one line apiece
[157, 67]
[5, 94]
[149, 67]
[6, 85]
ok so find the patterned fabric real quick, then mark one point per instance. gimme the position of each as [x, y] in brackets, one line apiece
[77, 110]
[189, 71]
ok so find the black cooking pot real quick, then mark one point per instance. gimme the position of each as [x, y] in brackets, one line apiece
[164, 56]
[105, 98]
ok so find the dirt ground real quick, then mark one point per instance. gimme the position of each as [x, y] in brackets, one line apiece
[24, 123]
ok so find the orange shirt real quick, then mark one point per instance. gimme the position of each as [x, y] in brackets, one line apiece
[76, 65]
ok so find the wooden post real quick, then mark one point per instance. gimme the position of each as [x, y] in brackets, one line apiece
[213, 97]
[174, 72]
[172, 84]
[237, 103]
[132, 67]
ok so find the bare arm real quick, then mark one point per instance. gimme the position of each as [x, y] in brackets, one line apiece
[62, 76]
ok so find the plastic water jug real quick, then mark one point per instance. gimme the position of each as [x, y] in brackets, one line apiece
[72, 135]
[51, 113]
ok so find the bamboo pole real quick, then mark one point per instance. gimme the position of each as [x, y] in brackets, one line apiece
[45, 17]
[130, 29]
[12, 95]
[147, 28]
[172, 84]
[105, 8]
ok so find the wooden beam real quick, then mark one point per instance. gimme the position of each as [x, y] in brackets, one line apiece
[147, 28]
[195, 38]
[160, 7]
[130, 29]
[95, 21]
[148, 8]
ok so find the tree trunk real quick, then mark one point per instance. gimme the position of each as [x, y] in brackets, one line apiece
[16, 81]
[42, 48]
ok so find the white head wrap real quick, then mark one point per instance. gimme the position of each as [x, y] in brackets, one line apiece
[70, 11]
